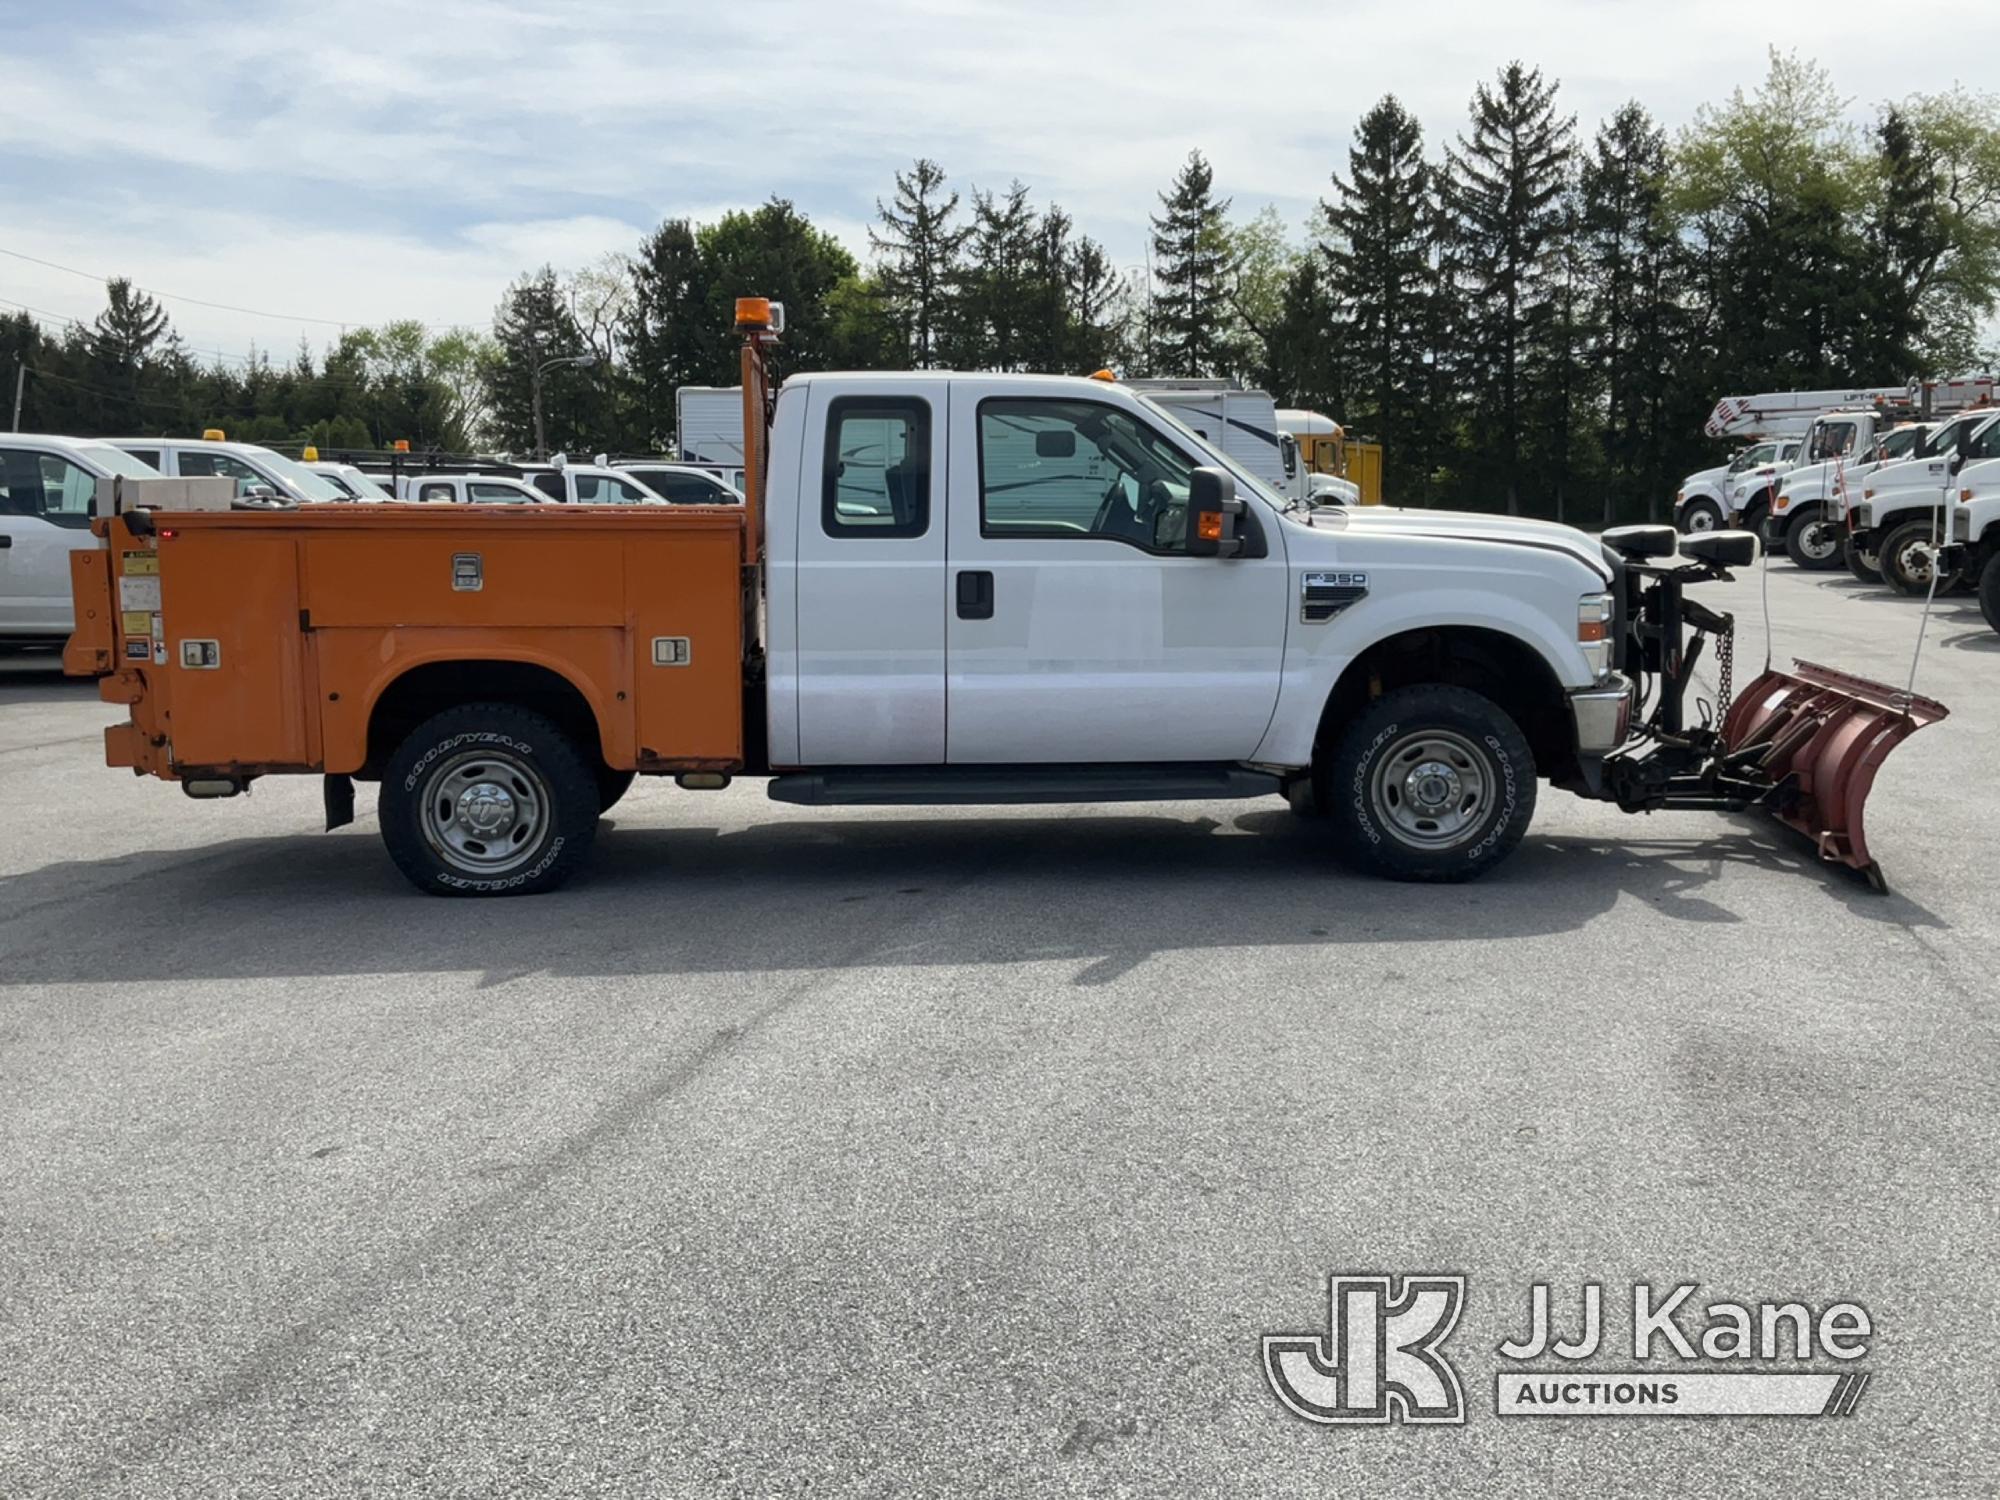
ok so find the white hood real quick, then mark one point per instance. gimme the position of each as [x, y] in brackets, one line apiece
[1459, 525]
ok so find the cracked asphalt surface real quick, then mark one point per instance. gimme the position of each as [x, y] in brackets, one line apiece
[972, 1152]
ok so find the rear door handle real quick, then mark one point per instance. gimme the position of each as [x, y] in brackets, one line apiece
[6, 539]
[975, 596]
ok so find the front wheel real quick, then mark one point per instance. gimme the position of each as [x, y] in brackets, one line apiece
[1431, 783]
[1812, 541]
[1701, 515]
[1909, 559]
[487, 799]
[1863, 564]
[1989, 591]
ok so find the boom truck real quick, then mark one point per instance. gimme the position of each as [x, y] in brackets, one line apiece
[1902, 519]
[951, 588]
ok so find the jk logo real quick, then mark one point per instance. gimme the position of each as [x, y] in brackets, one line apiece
[1379, 1356]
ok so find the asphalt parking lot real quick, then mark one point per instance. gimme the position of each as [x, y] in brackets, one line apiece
[873, 1152]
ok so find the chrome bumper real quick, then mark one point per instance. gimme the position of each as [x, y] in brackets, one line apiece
[1602, 714]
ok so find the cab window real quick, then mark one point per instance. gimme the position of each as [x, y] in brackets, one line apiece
[876, 480]
[46, 486]
[436, 492]
[1066, 468]
[499, 494]
[195, 464]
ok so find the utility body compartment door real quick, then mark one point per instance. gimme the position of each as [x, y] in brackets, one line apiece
[870, 577]
[1079, 628]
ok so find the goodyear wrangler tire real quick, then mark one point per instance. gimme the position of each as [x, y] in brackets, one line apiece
[1431, 783]
[488, 800]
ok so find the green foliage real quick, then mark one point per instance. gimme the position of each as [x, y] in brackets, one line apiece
[1192, 273]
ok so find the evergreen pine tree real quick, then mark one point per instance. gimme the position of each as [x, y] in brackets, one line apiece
[1191, 273]
[1379, 226]
[919, 245]
[668, 341]
[1506, 188]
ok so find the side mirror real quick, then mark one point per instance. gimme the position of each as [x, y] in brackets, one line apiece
[1212, 510]
[1057, 442]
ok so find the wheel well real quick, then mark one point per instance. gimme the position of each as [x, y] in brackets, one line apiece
[1500, 667]
[438, 685]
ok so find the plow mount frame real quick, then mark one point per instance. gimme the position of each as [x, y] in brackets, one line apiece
[1803, 745]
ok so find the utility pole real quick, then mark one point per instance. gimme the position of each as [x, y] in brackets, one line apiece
[581, 361]
[20, 380]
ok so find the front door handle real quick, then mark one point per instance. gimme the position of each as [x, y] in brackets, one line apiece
[6, 539]
[975, 596]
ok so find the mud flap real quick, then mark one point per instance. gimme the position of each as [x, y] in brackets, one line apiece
[338, 793]
[1821, 735]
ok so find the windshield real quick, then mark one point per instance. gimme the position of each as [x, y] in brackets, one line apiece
[294, 477]
[1245, 480]
[117, 461]
[361, 484]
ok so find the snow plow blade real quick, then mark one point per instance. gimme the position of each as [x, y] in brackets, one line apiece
[1820, 736]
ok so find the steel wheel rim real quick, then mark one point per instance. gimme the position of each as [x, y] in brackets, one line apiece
[484, 813]
[1916, 561]
[1432, 788]
[1820, 540]
[1701, 518]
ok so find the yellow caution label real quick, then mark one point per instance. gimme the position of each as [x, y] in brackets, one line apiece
[135, 622]
[139, 562]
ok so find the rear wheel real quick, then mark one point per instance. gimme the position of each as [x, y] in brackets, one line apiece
[1989, 591]
[488, 800]
[1430, 783]
[1864, 565]
[1909, 558]
[1812, 541]
[1701, 515]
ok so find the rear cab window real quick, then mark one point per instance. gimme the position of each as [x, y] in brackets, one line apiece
[876, 476]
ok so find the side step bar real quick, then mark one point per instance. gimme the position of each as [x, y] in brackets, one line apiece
[916, 786]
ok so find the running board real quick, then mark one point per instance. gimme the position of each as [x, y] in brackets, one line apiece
[916, 786]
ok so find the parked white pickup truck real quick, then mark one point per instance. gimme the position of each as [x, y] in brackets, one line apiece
[1901, 519]
[958, 588]
[47, 488]
[469, 489]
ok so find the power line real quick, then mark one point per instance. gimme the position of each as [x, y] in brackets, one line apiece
[248, 312]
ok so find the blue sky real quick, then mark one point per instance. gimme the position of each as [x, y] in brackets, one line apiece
[354, 161]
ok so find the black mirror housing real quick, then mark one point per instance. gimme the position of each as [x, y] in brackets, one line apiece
[1212, 512]
[1056, 443]
[1721, 549]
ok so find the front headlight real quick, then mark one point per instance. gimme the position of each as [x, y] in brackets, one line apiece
[1595, 616]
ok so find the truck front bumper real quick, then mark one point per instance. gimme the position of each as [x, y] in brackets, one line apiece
[1602, 715]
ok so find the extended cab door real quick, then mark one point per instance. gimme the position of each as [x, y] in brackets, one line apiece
[1079, 629]
[870, 614]
[44, 516]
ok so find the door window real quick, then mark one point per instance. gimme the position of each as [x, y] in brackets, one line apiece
[500, 494]
[146, 456]
[550, 484]
[195, 464]
[686, 489]
[436, 492]
[45, 485]
[877, 476]
[1065, 468]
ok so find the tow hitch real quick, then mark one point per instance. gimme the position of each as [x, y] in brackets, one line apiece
[1802, 745]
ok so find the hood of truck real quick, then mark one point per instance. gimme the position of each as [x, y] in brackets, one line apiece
[1717, 476]
[1395, 522]
[1908, 474]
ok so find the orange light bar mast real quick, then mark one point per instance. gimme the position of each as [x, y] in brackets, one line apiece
[753, 322]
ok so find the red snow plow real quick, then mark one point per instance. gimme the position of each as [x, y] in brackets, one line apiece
[1802, 745]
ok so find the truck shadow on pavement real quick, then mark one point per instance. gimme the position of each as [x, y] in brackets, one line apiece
[1103, 892]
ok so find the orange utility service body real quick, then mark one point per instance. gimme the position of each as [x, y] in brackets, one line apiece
[319, 612]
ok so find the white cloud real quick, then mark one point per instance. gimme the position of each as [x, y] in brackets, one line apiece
[350, 159]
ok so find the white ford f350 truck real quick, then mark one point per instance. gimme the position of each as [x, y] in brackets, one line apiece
[953, 588]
